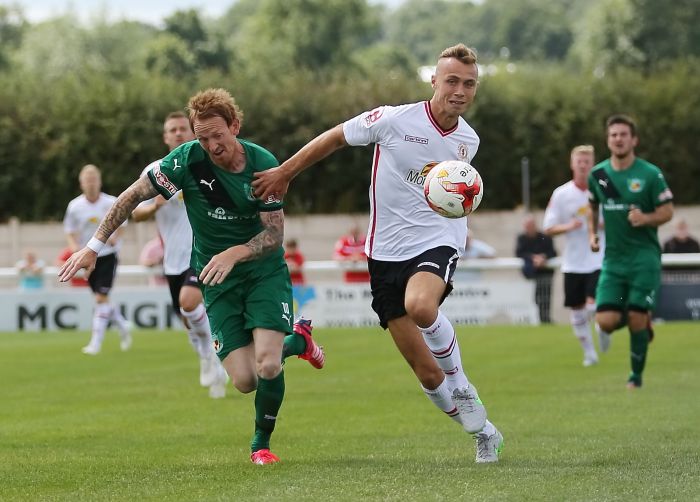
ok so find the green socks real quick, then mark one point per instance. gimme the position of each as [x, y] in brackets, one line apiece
[639, 343]
[293, 345]
[268, 400]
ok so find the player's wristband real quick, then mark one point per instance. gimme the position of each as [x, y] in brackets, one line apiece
[95, 244]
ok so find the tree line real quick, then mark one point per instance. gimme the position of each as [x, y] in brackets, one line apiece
[73, 93]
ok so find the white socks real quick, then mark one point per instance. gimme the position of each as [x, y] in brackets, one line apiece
[442, 342]
[199, 332]
[442, 398]
[100, 321]
[118, 318]
[582, 329]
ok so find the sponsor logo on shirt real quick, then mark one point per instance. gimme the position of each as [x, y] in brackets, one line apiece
[373, 116]
[418, 177]
[611, 205]
[163, 181]
[220, 214]
[415, 139]
[665, 195]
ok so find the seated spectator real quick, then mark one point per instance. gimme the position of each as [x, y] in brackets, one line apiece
[63, 256]
[31, 272]
[681, 242]
[295, 262]
[535, 248]
[350, 248]
[475, 248]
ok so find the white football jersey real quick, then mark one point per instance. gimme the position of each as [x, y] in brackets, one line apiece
[174, 228]
[568, 202]
[84, 217]
[408, 142]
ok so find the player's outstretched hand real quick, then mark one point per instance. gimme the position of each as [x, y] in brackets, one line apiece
[83, 259]
[272, 182]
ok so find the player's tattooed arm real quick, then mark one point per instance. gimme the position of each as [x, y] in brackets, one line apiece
[142, 189]
[269, 239]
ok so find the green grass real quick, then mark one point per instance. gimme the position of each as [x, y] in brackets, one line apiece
[136, 425]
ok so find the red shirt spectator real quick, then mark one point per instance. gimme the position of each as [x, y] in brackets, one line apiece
[295, 262]
[351, 248]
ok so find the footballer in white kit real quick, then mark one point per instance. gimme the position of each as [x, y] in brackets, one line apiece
[413, 251]
[567, 213]
[83, 216]
[176, 233]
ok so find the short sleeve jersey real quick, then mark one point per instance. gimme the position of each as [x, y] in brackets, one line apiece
[568, 202]
[641, 185]
[221, 207]
[408, 142]
[84, 217]
[174, 228]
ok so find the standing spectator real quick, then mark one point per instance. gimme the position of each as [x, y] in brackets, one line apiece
[82, 218]
[77, 281]
[535, 248]
[635, 200]
[350, 248]
[567, 214]
[31, 272]
[681, 242]
[295, 262]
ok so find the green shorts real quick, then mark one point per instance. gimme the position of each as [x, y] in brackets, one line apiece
[254, 299]
[632, 288]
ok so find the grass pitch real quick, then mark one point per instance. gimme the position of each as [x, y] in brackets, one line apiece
[137, 426]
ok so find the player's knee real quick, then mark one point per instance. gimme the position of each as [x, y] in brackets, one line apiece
[245, 385]
[268, 368]
[637, 321]
[189, 299]
[422, 310]
[608, 321]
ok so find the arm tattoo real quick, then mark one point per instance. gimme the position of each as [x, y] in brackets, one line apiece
[140, 190]
[269, 239]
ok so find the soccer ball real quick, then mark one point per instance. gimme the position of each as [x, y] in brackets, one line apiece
[453, 188]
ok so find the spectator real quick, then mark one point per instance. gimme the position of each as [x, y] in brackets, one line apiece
[350, 249]
[31, 272]
[295, 262]
[681, 242]
[535, 248]
[151, 256]
[475, 248]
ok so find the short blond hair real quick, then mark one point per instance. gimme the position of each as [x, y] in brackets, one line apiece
[588, 149]
[464, 54]
[214, 103]
[89, 169]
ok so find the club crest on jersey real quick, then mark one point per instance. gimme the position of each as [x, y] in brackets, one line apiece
[635, 185]
[249, 192]
[418, 177]
[217, 345]
[462, 152]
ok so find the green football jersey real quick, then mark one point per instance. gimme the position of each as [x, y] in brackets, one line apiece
[221, 206]
[642, 185]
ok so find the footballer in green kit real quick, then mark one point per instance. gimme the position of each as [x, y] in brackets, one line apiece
[634, 199]
[236, 250]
